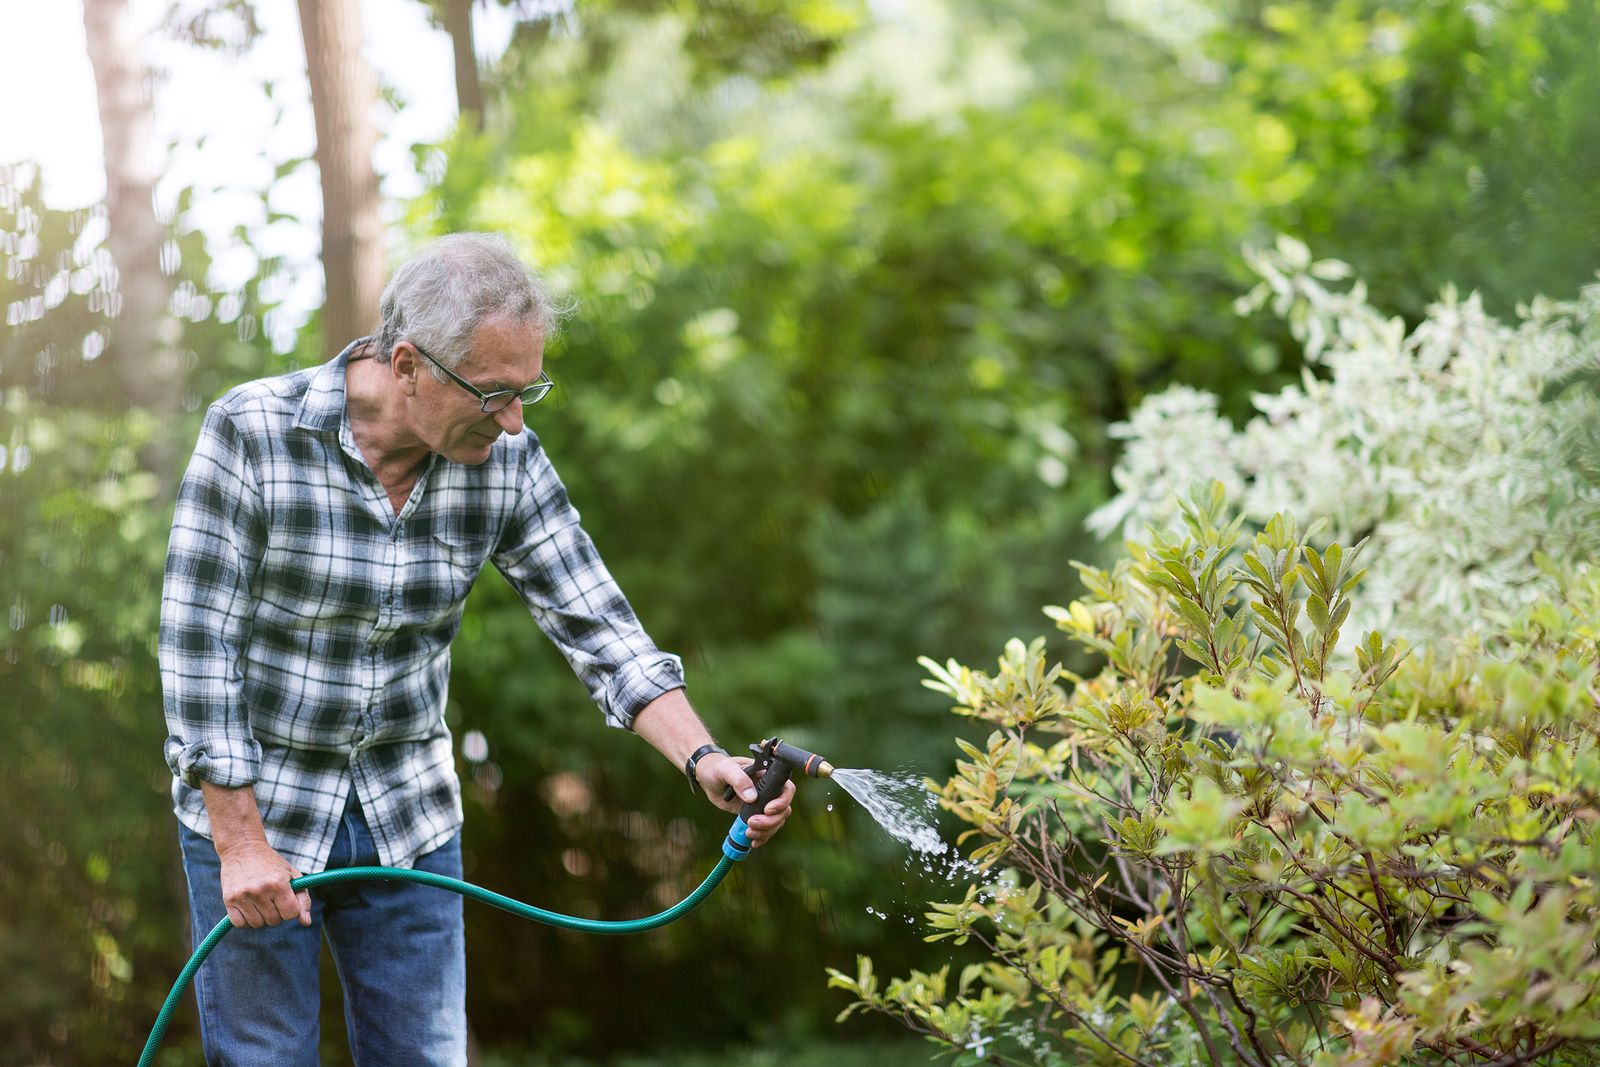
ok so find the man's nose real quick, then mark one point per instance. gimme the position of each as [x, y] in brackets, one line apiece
[509, 418]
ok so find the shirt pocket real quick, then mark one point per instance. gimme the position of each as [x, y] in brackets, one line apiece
[457, 559]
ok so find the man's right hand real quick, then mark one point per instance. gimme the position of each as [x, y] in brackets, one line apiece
[255, 886]
[255, 879]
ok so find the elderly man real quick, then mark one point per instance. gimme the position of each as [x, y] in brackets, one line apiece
[328, 529]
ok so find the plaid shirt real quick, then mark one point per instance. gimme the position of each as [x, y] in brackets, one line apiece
[306, 628]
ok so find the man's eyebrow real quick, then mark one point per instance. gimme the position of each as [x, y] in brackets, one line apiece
[492, 386]
[498, 386]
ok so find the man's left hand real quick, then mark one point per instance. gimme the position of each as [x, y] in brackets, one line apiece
[717, 774]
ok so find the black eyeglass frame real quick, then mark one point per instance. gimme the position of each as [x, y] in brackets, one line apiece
[530, 395]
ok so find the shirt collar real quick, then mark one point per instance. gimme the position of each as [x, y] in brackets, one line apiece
[324, 403]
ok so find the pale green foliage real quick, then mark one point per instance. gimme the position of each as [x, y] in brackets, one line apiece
[1464, 446]
[1236, 844]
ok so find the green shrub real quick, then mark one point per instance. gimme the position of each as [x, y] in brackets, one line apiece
[1240, 844]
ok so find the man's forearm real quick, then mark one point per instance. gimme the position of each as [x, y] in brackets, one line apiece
[670, 724]
[235, 819]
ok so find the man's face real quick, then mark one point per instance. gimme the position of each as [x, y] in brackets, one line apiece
[504, 353]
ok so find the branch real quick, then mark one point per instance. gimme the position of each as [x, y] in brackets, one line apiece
[1071, 1012]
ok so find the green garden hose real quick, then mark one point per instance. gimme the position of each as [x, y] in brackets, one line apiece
[439, 881]
[774, 761]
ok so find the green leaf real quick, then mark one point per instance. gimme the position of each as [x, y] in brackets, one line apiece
[1194, 616]
[1317, 611]
[1165, 581]
[1181, 574]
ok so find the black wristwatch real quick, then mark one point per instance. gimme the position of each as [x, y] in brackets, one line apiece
[693, 761]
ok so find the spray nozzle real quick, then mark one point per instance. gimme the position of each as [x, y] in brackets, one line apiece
[803, 762]
[773, 753]
[775, 762]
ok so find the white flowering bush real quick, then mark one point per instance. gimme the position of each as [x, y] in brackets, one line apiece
[1464, 448]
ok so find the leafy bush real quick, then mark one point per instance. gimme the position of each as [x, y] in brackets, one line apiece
[1232, 845]
[1465, 447]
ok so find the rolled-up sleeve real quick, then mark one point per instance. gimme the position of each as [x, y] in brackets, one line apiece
[553, 565]
[217, 533]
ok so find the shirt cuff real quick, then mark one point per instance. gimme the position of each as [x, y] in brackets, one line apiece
[639, 681]
[230, 764]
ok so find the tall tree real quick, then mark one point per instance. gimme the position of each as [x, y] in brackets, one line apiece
[132, 165]
[343, 91]
[469, 89]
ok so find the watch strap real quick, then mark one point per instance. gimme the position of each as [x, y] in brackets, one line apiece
[693, 761]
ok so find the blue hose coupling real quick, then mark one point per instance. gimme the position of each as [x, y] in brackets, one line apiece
[736, 846]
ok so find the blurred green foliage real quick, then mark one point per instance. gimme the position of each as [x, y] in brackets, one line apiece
[861, 287]
[87, 847]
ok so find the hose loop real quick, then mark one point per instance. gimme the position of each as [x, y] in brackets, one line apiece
[438, 881]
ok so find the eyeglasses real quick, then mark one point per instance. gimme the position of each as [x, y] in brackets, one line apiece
[500, 399]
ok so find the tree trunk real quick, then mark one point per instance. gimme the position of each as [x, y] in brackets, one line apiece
[146, 370]
[343, 92]
[469, 90]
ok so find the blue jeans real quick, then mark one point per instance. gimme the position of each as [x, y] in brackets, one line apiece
[399, 947]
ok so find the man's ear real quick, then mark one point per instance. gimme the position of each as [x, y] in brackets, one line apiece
[403, 366]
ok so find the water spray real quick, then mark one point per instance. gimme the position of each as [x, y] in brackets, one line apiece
[776, 762]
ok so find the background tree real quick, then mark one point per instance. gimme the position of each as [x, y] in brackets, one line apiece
[146, 365]
[469, 88]
[343, 92]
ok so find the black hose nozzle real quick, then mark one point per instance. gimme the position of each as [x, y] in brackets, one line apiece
[807, 763]
[775, 762]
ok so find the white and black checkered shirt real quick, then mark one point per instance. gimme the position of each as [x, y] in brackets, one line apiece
[306, 628]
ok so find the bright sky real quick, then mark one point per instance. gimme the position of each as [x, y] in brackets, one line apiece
[229, 135]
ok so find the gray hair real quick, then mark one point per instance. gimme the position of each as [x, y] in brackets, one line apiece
[444, 290]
